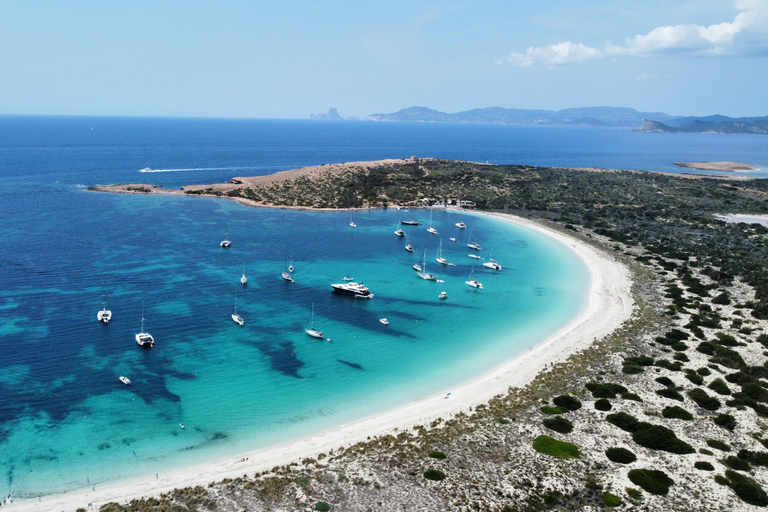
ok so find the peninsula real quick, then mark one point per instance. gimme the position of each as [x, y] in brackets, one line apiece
[717, 166]
[664, 409]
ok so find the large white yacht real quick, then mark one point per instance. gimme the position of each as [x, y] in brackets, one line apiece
[354, 289]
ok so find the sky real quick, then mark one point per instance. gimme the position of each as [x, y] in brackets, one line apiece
[288, 59]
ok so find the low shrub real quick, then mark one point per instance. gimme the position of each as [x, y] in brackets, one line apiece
[726, 340]
[607, 390]
[551, 446]
[706, 348]
[322, 506]
[559, 424]
[620, 455]
[677, 334]
[634, 494]
[720, 387]
[679, 346]
[567, 402]
[718, 445]
[754, 458]
[704, 466]
[746, 488]
[694, 377]
[720, 479]
[657, 437]
[631, 396]
[703, 400]
[651, 480]
[438, 455]
[704, 451]
[665, 381]
[434, 474]
[639, 361]
[736, 463]
[680, 356]
[553, 410]
[704, 371]
[676, 413]
[755, 391]
[623, 420]
[611, 500]
[726, 421]
[673, 367]
[603, 404]
[632, 369]
[670, 393]
[722, 299]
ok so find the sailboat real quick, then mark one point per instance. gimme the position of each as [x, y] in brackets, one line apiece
[235, 317]
[226, 242]
[430, 229]
[286, 275]
[472, 244]
[244, 280]
[104, 315]
[144, 338]
[399, 231]
[352, 221]
[310, 327]
[407, 245]
[424, 274]
[474, 283]
[491, 263]
[440, 258]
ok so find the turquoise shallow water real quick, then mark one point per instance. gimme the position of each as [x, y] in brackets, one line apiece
[238, 388]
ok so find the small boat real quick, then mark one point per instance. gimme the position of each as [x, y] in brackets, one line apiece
[290, 269]
[384, 321]
[423, 273]
[351, 221]
[144, 339]
[474, 283]
[286, 274]
[452, 239]
[430, 229]
[443, 295]
[408, 246]
[235, 317]
[226, 242]
[409, 222]
[244, 280]
[104, 315]
[472, 244]
[461, 225]
[417, 267]
[440, 281]
[491, 263]
[181, 425]
[439, 257]
[399, 232]
[310, 327]
[125, 380]
[347, 278]
[474, 256]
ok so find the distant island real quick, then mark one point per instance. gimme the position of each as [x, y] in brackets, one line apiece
[717, 166]
[656, 122]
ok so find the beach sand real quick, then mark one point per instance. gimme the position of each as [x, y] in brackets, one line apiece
[608, 305]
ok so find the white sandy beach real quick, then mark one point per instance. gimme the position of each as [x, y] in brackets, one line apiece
[608, 305]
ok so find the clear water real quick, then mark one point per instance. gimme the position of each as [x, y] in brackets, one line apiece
[67, 421]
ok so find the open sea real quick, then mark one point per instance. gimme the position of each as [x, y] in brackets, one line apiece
[66, 421]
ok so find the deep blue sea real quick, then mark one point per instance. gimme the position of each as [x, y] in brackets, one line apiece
[67, 422]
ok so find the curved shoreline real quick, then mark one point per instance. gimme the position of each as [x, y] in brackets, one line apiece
[609, 304]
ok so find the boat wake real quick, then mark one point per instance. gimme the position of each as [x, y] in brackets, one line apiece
[147, 169]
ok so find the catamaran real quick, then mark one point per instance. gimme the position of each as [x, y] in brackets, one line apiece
[474, 283]
[144, 338]
[310, 327]
[104, 315]
[491, 263]
[423, 273]
[226, 242]
[235, 317]
[439, 257]
[430, 229]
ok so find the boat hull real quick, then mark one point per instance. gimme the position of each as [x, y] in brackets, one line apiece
[353, 289]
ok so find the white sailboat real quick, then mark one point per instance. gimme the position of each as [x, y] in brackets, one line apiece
[472, 244]
[310, 327]
[430, 229]
[144, 339]
[235, 317]
[286, 274]
[439, 257]
[352, 221]
[474, 283]
[244, 280]
[399, 231]
[461, 224]
[226, 242]
[408, 246]
[104, 315]
[491, 263]
[424, 274]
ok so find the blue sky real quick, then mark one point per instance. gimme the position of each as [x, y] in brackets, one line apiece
[289, 59]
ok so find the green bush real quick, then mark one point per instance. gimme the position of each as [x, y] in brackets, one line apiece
[670, 393]
[720, 479]
[665, 381]
[677, 413]
[553, 410]
[603, 404]
[631, 396]
[434, 474]
[736, 463]
[704, 451]
[322, 506]
[726, 340]
[651, 480]
[703, 400]
[620, 455]
[723, 299]
[755, 391]
[611, 500]
[623, 420]
[718, 445]
[567, 402]
[694, 377]
[755, 458]
[720, 387]
[551, 446]
[639, 361]
[680, 356]
[704, 466]
[657, 437]
[559, 424]
[725, 420]
[679, 346]
[634, 494]
[677, 334]
[673, 367]
[704, 371]
[606, 390]
[632, 369]
[746, 488]
[437, 455]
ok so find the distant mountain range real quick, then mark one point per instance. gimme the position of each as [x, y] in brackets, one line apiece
[588, 116]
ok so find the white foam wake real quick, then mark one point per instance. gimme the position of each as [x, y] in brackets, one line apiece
[147, 169]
